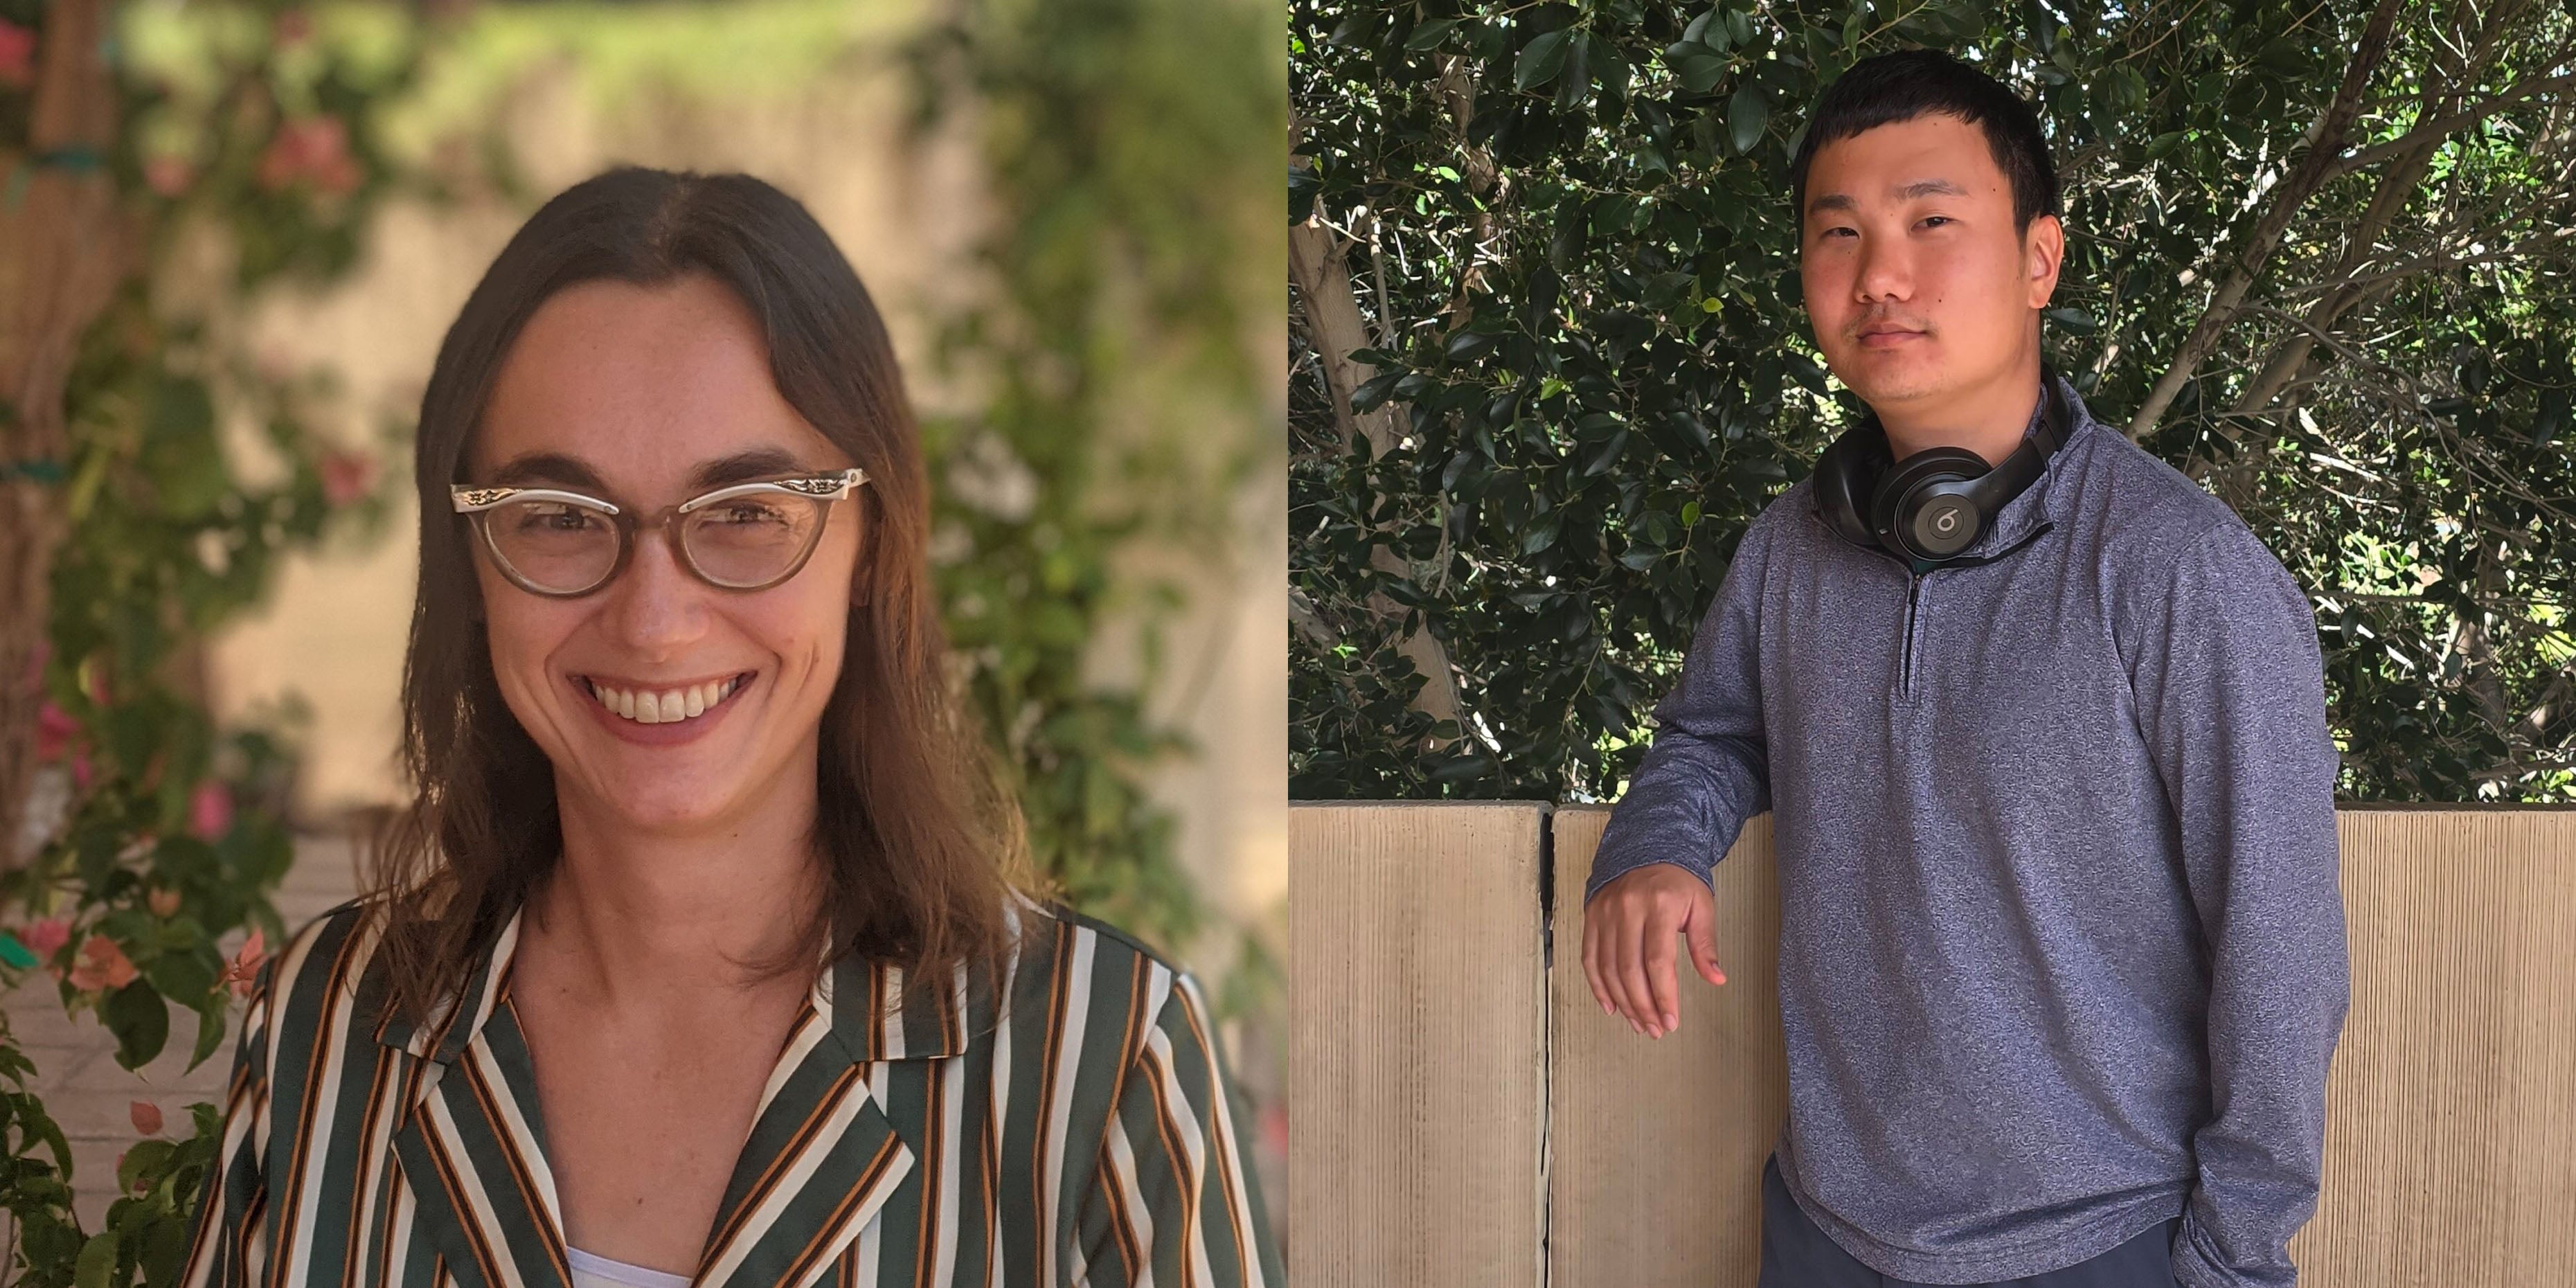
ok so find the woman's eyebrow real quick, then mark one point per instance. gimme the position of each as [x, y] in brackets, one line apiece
[546, 467]
[757, 463]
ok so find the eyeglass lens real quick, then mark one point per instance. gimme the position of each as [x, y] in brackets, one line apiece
[565, 547]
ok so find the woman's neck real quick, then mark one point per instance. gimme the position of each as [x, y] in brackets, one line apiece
[629, 913]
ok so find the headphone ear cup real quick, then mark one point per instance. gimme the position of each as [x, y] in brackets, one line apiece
[1844, 487]
[1903, 497]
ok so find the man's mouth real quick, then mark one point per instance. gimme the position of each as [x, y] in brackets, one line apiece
[645, 705]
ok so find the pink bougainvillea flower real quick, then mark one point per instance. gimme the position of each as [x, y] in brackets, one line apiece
[163, 901]
[310, 147]
[347, 477]
[243, 971]
[102, 965]
[80, 770]
[291, 27]
[17, 55]
[55, 730]
[1274, 1128]
[168, 175]
[146, 1115]
[210, 811]
[44, 937]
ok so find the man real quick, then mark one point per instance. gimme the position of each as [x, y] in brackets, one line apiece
[2062, 952]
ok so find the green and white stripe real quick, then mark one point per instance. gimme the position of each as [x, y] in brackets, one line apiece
[1069, 1126]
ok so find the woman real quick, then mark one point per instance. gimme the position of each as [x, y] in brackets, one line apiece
[701, 957]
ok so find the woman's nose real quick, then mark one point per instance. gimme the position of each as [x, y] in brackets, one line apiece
[656, 602]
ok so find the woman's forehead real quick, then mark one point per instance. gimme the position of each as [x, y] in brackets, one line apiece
[644, 385]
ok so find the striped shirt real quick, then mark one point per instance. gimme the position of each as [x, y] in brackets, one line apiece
[1070, 1126]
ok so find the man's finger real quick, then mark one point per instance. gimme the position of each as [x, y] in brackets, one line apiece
[1623, 973]
[1703, 943]
[1591, 962]
[1651, 926]
[1661, 931]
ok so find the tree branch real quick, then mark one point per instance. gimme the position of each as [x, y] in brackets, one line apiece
[2291, 193]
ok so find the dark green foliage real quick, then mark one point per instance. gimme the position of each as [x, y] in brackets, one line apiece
[1588, 319]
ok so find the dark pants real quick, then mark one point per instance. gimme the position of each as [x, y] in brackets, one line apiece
[1796, 1254]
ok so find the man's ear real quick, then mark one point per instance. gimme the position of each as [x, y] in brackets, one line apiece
[2043, 251]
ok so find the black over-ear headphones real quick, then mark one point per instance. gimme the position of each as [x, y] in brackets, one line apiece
[1930, 505]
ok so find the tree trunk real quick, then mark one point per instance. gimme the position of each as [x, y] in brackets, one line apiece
[64, 247]
[1334, 326]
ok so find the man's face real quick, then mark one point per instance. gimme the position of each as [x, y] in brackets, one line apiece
[1915, 279]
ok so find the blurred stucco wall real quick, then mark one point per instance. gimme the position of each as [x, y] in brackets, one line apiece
[905, 216]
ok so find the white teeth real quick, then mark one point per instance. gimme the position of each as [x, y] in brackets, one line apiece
[667, 706]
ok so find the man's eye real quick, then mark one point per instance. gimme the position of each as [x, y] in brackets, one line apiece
[1942, 218]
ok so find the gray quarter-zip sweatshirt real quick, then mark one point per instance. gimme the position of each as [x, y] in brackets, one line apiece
[2061, 941]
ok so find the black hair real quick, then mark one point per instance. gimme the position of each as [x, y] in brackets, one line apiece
[1885, 89]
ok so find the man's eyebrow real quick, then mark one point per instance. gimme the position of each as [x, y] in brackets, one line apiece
[1919, 188]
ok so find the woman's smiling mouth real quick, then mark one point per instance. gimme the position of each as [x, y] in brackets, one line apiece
[662, 714]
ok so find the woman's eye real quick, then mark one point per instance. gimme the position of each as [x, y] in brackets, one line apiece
[750, 512]
[557, 518]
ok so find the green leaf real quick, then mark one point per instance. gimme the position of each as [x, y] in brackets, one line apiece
[165, 1252]
[15, 953]
[1429, 34]
[1542, 59]
[210, 1030]
[97, 1265]
[1374, 391]
[1746, 114]
[2075, 320]
[1607, 454]
[140, 1019]
[1699, 73]
[2164, 144]
[1541, 534]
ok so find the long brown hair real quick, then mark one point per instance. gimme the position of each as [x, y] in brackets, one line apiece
[918, 847]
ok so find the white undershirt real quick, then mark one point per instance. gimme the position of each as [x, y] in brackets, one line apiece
[600, 1272]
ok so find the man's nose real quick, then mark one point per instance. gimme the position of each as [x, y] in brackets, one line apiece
[1885, 270]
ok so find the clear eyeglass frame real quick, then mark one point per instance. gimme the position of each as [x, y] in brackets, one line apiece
[822, 490]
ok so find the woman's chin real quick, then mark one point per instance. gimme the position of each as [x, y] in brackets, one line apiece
[659, 803]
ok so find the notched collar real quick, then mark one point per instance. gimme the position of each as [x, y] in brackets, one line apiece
[875, 1013]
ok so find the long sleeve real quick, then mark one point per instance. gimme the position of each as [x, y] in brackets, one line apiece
[1709, 767]
[2230, 696]
[1173, 1200]
[229, 1246]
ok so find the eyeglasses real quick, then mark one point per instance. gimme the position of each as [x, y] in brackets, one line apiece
[748, 536]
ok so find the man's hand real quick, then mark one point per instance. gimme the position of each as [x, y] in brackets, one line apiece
[1628, 931]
